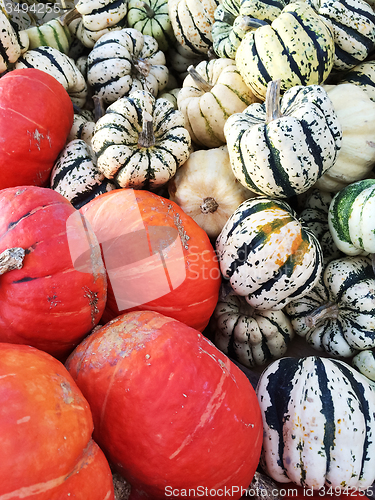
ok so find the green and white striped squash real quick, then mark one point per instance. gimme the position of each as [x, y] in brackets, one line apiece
[97, 18]
[351, 218]
[250, 336]
[13, 43]
[179, 59]
[362, 75]
[151, 17]
[353, 23]
[123, 61]
[298, 48]
[356, 114]
[267, 255]
[52, 34]
[192, 22]
[281, 148]
[60, 66]
[315, 217]
[213, 91]
[338, 315]
[319, 424]
[141, 141]
[364, 362]
[76, 176]
[83, 127]
[233, 19]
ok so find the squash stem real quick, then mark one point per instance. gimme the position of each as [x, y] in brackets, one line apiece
[99, 110]
[209, 205]
[199, 80]
[11, 259]
[68, 17]
[146, 138]
[147, 8]
[273, 101]
[329, 310]
[142, 66]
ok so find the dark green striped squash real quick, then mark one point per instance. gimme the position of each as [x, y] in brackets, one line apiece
[281, 148]
[267, 255]
[298, 47]
[362, 75]
[319, 424]
[250, 336]
[338, 315]
[141, 141]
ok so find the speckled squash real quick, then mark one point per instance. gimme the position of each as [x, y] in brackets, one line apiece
[124, 61]
[319, 424]
[364, 362]
[338, 315]
[353, 23]
[267, 255]
[281, 148]
[52, 33]
[362, 75]
[141, 141]
[12, 42]
[298, 39]
[213, 91]
[351, 218]
[250, 336]
[75, 174]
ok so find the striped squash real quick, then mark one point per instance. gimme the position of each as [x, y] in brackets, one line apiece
[364, 362]
[179, 59]
[353, 23]
[362, 75]
[251, 337]
[123, 61]
[338, 315]
[76, 176]
[192, 22]
[59, 65]
[267, 255]
[51, 33]
[151, 17]
[319, 424]
[97, 18]
[141, 141]
[298, 47]
[83, 127]
[281, 148]
[13, 42]
[233, 19]
[351, 218]
[213, 91]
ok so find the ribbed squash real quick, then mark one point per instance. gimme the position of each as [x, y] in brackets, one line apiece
[267, 255]
[51, 33]
[338, 315]
[281, 148]
[364, 362]
[213, 91]
[351, 218]
[362, 75]
[124, 61]
[298, 47]
[353, 23]
[179, 59]
[319, 424]
[250, 336]
[141, 141]
[11, 42]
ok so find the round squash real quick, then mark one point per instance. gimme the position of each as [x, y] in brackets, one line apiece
[45, 432]
[166, 403]
[57, 292]
[319, 422]
[31, 135]
[157, 258]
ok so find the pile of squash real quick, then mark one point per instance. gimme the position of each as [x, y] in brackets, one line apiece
[186, 189]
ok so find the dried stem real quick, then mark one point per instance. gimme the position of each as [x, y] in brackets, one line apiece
[11, 259]
[146, 138]
[273, 101]
[209, 206]
[329, 310]
[199, 80]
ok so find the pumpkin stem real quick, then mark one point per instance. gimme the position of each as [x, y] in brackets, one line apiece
[147, 8]
[142, 66]
[329, 310]
[273, 101]
[199, 80]
[11, 259]
[146, 138]
[209, 205]
[68, 17]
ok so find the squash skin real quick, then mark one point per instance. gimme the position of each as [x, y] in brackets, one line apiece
[36, 133]
[47, 303]
[46, 426]
[166, 404]
[194, 300]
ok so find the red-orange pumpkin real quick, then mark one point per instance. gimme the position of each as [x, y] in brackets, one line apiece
[169, 409]
[47, 451]
[50, 303]
[156, 256]
[36, 115]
